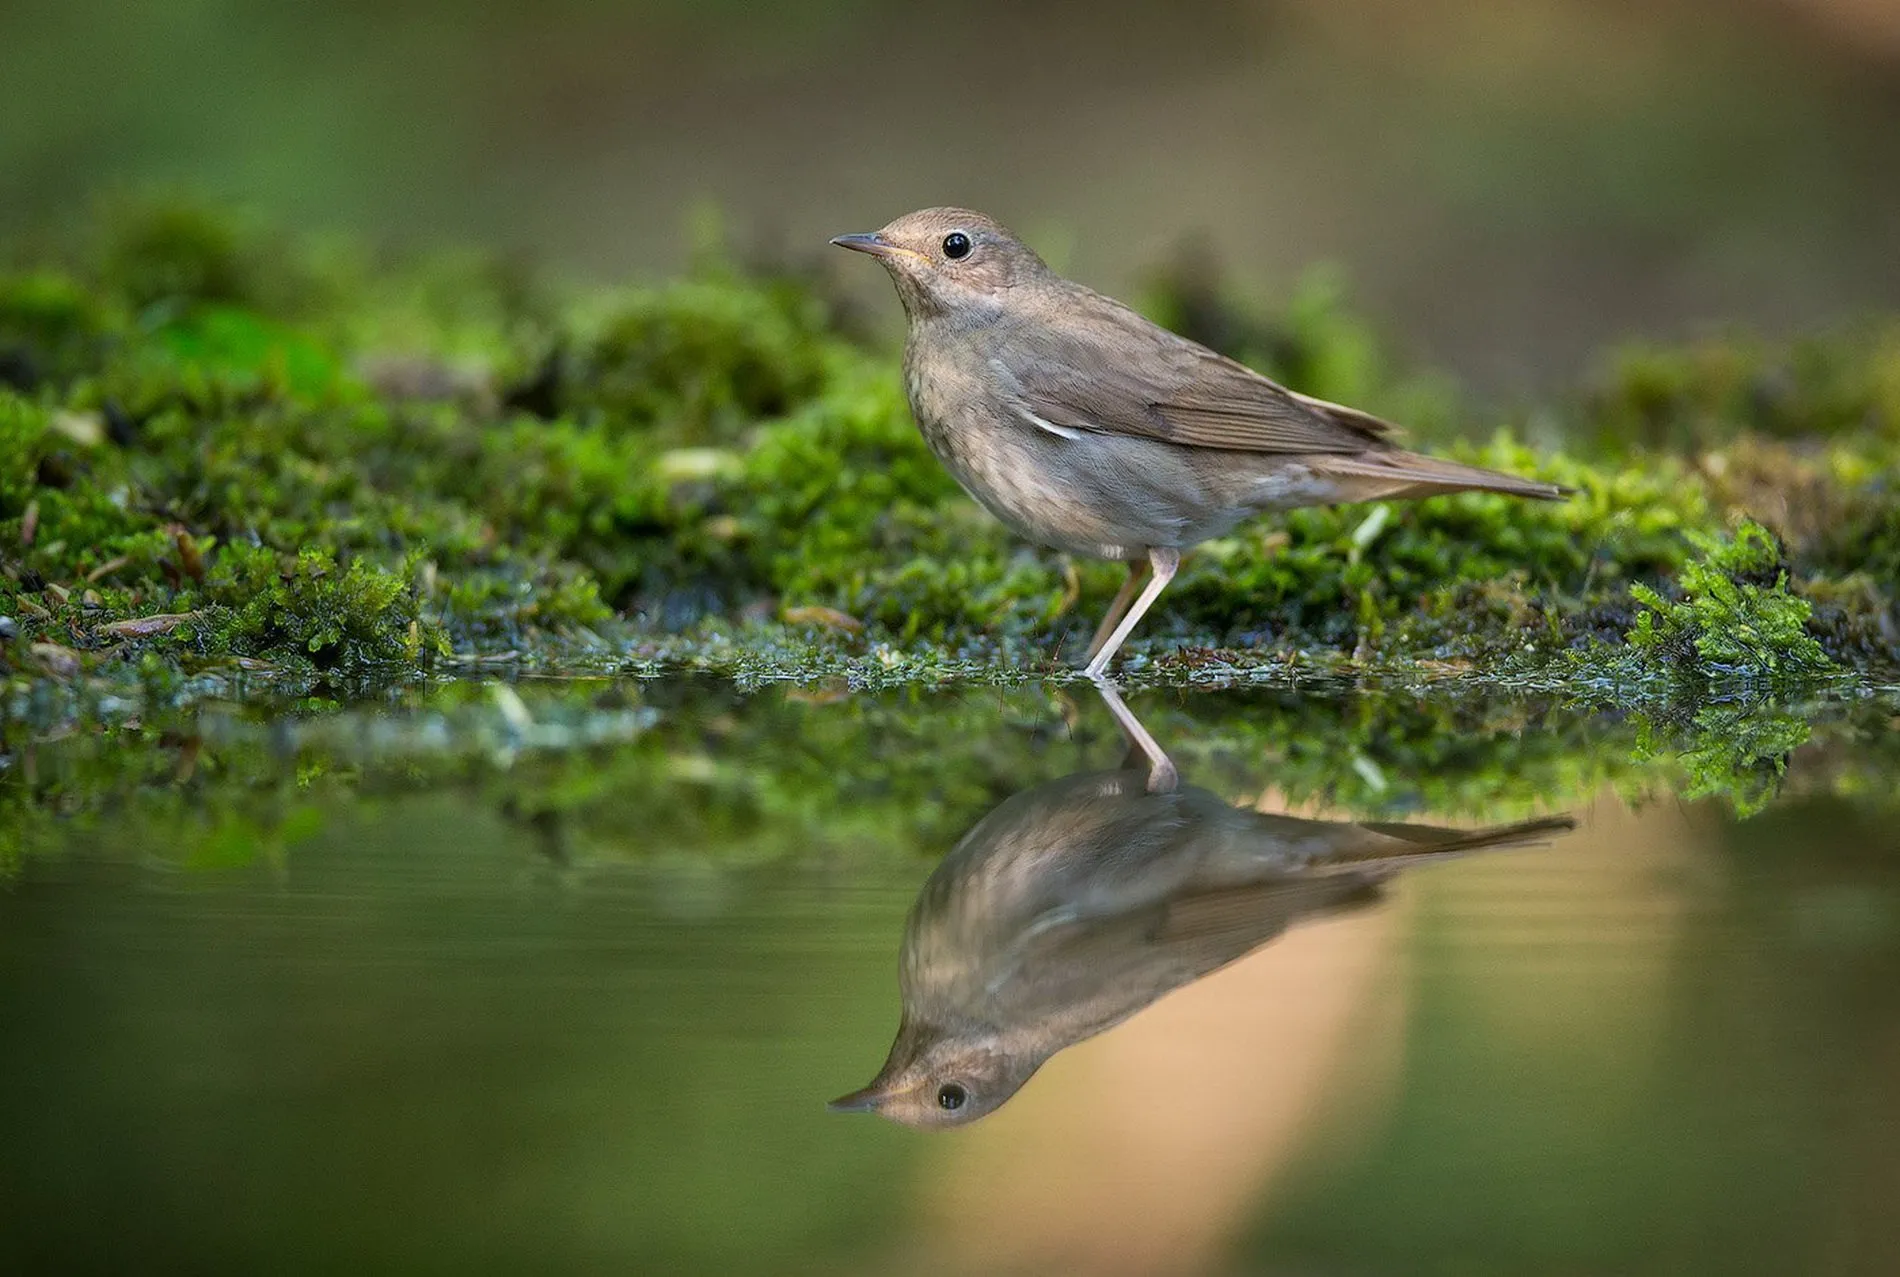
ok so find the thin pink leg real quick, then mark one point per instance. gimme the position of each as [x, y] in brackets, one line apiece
[1137, 573]
[1166, 563]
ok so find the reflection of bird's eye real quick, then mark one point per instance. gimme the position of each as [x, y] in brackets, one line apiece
[956, 244]
[950, 1096]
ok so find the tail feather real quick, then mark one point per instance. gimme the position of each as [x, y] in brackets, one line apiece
[1391, 845]
[1433, 838]
[1376, 475]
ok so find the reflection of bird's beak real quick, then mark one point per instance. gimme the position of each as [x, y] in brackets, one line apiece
[873, 243]
[864, 1101]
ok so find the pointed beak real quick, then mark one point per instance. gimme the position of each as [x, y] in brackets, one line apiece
[872, 242]
[863, 1101]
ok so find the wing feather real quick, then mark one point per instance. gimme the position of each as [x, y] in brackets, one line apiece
[1096, 365]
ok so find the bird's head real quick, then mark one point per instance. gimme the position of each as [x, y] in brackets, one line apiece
[934, 1080]
[944, 260]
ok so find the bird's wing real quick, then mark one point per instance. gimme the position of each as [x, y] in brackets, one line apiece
[1205, 930]
[1174, 940]
[1086, 362]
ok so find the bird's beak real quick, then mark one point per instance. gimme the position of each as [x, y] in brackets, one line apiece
[873, 243]
[866, 1100]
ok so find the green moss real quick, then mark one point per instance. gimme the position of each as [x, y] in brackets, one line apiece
[1734, 617]
[51, 326]
[356, 618]
[176, 252]
[699, 361]
[167, 253]
[254, 354]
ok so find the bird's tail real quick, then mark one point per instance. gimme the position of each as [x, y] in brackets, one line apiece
[1432, 839]
[1377, 475]
[1382, 848]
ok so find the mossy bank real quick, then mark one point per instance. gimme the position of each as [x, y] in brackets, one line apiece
[224, 451]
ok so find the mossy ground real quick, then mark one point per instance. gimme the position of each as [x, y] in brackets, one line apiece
[225, 451]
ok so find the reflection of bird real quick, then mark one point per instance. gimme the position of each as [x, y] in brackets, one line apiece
[1083, 426]
[1075, 904]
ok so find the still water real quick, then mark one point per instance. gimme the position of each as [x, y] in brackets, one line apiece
[560, 978]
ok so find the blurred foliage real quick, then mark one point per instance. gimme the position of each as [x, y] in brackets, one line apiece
[1706, 392]
[226, 447]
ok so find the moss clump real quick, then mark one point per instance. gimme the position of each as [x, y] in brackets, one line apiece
[171, 253]
[174, 252]
[1733, 618]
[51, 327]
[111, 528]
[700, 361]
[354, 617]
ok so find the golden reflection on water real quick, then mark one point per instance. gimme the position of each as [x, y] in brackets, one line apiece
[1151, 1148]
[1143, 1150]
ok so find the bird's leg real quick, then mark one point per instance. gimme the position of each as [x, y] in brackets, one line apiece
[1165, 562]
[1137, 573]
[1162, 777]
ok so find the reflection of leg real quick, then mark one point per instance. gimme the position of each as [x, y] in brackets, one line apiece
[1165, 562]
[1162, 778]
[1137, 573]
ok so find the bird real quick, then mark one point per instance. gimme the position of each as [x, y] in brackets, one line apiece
[1078, 902]
[1085, 427]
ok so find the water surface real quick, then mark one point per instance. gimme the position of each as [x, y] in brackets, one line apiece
[560, 978]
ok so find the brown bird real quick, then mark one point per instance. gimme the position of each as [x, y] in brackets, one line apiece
[1077, 903]
[1085, 427]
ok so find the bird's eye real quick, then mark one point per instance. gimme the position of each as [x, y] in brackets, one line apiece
[950, 1096]
[955, 245]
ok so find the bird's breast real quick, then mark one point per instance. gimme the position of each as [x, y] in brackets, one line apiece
[1039, 484]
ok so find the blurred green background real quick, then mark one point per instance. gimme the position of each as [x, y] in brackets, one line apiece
[1508, 186]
